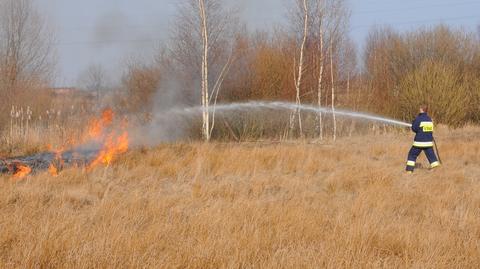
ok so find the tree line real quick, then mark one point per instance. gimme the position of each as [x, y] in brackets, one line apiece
[211, 57]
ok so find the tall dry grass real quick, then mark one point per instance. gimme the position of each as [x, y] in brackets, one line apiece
[28, 132]
[257, 205]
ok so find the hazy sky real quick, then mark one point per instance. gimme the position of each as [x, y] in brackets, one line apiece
[106, 32]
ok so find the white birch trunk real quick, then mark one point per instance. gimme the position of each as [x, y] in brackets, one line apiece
[333, 93]
[205, 90]
[216, 89]
[348, 86]
[298, 80]
[319, 89]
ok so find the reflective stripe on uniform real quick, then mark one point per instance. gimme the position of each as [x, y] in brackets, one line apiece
[427, 126]
[423, 144]
[410, 163]
[435, 164]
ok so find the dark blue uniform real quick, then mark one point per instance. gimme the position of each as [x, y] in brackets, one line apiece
[422, 126]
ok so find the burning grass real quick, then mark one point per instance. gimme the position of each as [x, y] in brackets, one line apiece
[265, 205]
[101, 144]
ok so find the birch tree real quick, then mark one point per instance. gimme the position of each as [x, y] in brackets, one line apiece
[329, 24]
[205, 89]
[326, 26]
[320, 78]
[202, 40]
[319, 19]
[298, 78]
[333, 92]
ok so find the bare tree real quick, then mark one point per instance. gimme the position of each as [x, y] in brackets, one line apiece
[347, 69]
[333, 92]
[320, 78]
[140, 83]
[318, 25]
[327, 22]
[94, 79]
[201, 41]
[205, 88]
[26, 46]
[298, 77]
[348, 64]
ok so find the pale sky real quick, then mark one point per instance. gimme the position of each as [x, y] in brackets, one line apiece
[106, 32]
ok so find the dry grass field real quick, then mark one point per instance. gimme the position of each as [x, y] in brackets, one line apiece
[255, 205]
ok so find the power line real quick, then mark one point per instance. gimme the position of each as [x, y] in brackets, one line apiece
[415, 8]
[110, 42]
[107, 42]
[131, 26]
[160, 25]
[422, 21]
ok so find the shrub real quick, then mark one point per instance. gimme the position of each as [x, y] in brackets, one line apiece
[441, 87]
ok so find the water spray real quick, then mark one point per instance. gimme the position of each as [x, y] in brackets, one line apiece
[255, 105]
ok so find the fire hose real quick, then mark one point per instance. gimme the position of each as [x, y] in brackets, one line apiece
[436, 149]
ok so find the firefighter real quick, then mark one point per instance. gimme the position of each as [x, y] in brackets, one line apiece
[422, 126]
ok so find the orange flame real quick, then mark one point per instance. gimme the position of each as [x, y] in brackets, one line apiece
[53, 170]
[97, 126]
[57, 163]
[113, 146]
[114, 142]
[22, 171]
